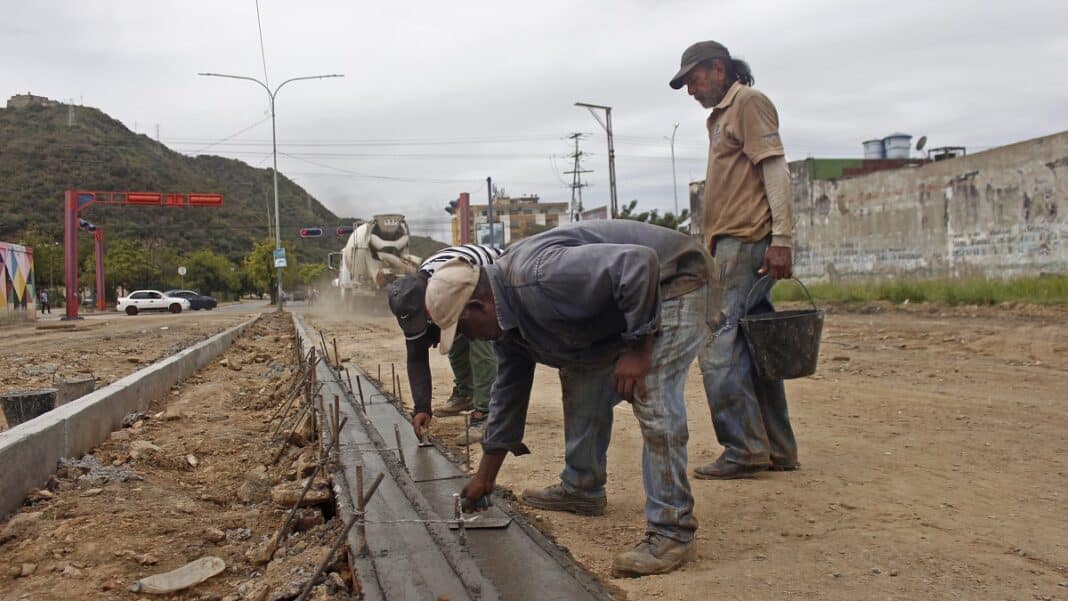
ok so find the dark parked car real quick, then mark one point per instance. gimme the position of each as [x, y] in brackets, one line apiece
[196, 301]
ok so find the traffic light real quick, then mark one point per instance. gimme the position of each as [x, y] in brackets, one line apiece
[311, 232]
[451, 209]
[344, 230]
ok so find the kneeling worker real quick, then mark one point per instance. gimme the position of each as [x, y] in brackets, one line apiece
[618, 307]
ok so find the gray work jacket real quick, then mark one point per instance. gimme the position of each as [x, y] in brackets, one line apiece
[579, 295]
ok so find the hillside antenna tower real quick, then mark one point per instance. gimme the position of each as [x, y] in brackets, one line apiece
[576, 179]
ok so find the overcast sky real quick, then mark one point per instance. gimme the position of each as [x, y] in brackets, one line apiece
[438, 95]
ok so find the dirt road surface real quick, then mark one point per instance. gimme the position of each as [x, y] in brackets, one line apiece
[105, 346]
[193, 478]
[934, 453]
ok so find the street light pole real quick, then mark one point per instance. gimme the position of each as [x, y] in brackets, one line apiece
[607, 125]
[674, 180]
[274, 152]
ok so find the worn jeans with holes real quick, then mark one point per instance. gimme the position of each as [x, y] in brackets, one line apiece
[749, 413]
[474, 368]
[589, 397]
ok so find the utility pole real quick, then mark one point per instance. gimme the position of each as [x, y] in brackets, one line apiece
[489, 210]
[607, 125]
[576, 179]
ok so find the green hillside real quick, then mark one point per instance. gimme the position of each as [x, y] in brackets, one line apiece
[41, 156]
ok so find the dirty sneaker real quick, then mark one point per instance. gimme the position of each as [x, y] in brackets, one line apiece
[556, 498]
[477, 424]
[655, 554]
[722, 469]
[457, 403]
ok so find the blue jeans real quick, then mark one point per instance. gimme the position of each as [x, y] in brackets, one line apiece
[749, 413]
[589, 397]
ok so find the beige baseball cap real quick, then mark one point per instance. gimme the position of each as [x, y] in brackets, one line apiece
[447, 293]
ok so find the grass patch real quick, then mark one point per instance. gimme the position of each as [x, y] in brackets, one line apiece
[1052, 290]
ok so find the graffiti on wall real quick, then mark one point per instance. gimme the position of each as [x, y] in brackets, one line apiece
[16, 280]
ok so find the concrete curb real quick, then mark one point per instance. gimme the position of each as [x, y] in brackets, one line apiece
[29, 452]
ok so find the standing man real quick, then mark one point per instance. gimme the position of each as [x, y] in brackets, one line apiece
[474, 366]
[618, 307]
[748, 228]
[46, 306]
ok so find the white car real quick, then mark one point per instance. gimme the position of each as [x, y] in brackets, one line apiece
[150, 300]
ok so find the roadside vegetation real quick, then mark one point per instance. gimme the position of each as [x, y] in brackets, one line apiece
[1044, 290]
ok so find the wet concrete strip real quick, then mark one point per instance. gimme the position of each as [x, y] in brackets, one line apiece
[405, 558]
[518, 560]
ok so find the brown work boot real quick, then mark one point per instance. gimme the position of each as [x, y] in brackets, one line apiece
[722, 469]
[656, 554]
[556, 498]
[457, 403]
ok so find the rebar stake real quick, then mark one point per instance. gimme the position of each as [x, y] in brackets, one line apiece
[337, 417]
[337, 357]
[458, 510]
[379, 373]
[359, 386]
[400, 450]
[467, 441]
[361, 530]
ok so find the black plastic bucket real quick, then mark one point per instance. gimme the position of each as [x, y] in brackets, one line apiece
[784, 344]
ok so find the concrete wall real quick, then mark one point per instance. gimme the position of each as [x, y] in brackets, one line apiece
[29, 452]
[1002, 213]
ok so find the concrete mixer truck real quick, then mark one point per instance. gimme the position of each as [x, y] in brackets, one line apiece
[376, 253]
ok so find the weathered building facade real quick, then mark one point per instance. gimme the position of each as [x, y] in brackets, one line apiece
[999, 213]
[518, 217]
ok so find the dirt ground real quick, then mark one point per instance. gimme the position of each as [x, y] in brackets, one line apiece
[192, 478]
[107, 348]
[934, 454]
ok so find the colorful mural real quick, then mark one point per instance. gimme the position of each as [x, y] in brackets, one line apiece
[17, 290]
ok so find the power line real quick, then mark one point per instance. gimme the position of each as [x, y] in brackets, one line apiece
[231, 136]
[381, 177]
[263, 53]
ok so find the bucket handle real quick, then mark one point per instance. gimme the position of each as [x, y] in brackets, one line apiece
[749, 296]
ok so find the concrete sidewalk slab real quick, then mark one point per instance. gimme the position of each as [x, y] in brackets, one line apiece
[29, 452]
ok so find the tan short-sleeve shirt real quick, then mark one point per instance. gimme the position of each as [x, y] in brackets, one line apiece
[743, 130]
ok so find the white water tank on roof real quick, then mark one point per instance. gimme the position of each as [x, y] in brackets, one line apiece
[873, 149]
[897, 146]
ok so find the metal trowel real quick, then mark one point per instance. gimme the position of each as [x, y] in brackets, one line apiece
[490, 517]
[424, 439]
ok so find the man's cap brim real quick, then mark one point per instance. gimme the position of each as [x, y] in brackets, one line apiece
[447, 336]
[680, 78]
[406, 302]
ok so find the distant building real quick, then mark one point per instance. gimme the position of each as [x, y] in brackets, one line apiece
[517, 218]
[600, 212]
[21, 101]
[996, 213]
